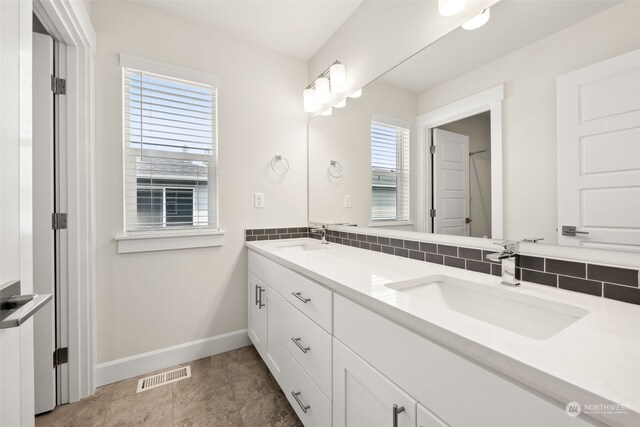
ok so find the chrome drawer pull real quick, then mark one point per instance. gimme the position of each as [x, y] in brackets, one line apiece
[260, 304]
[304, 407]
[300, 297]
[256, 303]
[396, 411]
[300, 346]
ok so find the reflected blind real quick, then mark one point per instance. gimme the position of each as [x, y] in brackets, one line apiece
[389, 172]
[170, 155]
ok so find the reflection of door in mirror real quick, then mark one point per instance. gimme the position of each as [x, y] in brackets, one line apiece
[461, 182]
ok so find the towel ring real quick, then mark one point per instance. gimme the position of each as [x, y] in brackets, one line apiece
[337, 167]
[279, 158]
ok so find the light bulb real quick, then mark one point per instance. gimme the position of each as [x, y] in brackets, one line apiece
[477, 21]
[356, 94]
[341, 103]
[338, 77]
[322, 90]
[310, 101]
[451, 7]
[327, 112]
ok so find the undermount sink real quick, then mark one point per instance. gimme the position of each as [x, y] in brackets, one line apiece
[301, 246]
[525, 315]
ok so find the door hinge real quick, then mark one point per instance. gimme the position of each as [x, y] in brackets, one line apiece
[59, 221]
[60, 356]
[432, 213]
[58, 86]
[432, 149]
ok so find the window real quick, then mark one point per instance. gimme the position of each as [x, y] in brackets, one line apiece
[170, 148]
[389, 171]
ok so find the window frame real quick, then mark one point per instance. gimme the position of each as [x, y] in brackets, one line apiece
[166, 238]
[389, 121]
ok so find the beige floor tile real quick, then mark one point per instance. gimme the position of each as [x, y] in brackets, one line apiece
[89, 412]
[205, 404]
[149, 408]
[270, 410]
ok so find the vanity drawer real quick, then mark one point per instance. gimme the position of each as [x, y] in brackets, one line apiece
[310, 346]
[312, 407]
[311, 298]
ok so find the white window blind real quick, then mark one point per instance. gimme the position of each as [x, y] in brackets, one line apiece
[170, 153]
[389, 172]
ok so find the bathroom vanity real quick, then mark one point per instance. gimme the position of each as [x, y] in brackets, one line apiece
[362, 338]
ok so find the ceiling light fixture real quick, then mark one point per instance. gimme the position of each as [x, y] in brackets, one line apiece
[477, 21]
[451, 7]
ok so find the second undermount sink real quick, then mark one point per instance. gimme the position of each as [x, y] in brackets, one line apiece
[299, 246]
[525, 315]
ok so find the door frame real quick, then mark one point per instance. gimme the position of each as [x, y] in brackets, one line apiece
[488, 100]
[68, 22]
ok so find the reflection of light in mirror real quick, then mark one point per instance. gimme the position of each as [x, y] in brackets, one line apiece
[338, 77]
[341, 103]
[477, 21]
[382, 292]
[451, 7]
[310, 101]
[323, 94]
[356, 94]
[327, 112]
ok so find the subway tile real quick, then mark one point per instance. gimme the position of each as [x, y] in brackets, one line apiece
[496, 269]
[530, 262]
[303, 229]
[416, 255]
[479, 266]
[580, 285]
[398, 243]
[401, 252]
[453, 262]
[429, 247]
[375, 247]
[484, 257]
[296, 236]
[331, 239]
[251, 238]
[282, 230]
[383, 240]
[387, 250]
[623, 276]
[372, 239]
[270, 231]
[274, 237]
[263, 237]
[257, 231]
[412, 244]
[362, 237]
[622, 293]
[434, 258]
[353, 236]
[448, 250]
[248, 232]
[292, 230]
[338, 240]
[470, 253]
[354, 243]
[365, 245]
[285, 236]
[540, 277]
[567, 268]
[344, 235]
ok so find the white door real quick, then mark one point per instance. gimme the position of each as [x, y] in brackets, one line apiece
[598, 110]
[363, 397]
[43, 206]
[451, 183]
[16, 344]
[276, 329]
[257, 322]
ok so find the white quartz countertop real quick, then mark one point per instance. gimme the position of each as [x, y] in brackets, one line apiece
[595, 360]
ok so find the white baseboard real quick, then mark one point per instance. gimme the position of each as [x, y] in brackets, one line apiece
[132, 366]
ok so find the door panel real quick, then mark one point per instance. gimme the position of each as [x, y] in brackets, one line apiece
[451, 183]
[276, 329]
[599, 152]
[257, 322]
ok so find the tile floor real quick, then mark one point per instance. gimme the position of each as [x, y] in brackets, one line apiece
[228, 389]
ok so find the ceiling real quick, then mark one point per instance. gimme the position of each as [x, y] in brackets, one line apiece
[513, 25]
[297, 28]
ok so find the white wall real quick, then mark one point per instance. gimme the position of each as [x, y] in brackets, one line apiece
[478, 129]
[529, 110]
[149, 301]
[381, 34]
[345, 136]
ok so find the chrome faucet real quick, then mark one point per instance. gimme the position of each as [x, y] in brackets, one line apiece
[322, 231]
[508, 258]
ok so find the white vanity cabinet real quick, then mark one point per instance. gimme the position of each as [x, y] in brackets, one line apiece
[257, 313]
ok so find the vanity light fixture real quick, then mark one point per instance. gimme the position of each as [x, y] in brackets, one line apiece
[451, 7]
[356, 94]
[310, 101]
[338, 77]
[341, 103]
[332, 81]
[478, 20]
[323, 94]
[327, 112]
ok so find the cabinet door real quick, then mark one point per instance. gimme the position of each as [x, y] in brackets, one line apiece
[426, 418]
[362, 396]
[257, 312]
[276, 308]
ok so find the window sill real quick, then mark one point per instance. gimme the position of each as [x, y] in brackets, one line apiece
[164, 241]
[390, 223]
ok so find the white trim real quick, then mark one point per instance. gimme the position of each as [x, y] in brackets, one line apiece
[166, 240]
[69, 23]
[488, 100]
[143, 64]
[390, 223]
[140, 364]
[378, 118]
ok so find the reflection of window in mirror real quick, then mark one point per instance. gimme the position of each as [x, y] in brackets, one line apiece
[389, 171]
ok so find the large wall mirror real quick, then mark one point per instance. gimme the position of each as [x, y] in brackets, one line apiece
[528, 127]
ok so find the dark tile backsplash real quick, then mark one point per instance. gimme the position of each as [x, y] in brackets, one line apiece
[593, 279]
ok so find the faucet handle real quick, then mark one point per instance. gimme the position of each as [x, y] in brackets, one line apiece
[511, 246]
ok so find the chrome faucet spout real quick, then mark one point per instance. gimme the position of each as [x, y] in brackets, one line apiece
[508, 259]
[322, 231]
